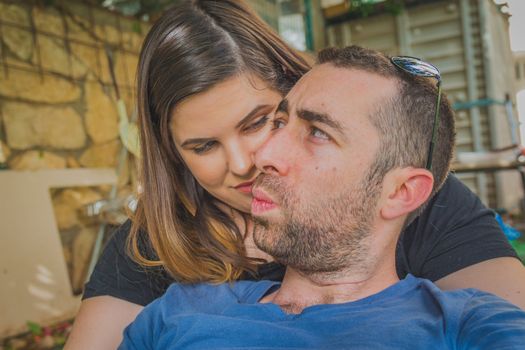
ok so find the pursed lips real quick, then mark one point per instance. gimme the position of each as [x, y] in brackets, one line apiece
[261, 202]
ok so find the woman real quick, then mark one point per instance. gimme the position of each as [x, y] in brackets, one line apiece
[209, 76]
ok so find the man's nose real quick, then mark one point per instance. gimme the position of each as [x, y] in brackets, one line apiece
[274, 155]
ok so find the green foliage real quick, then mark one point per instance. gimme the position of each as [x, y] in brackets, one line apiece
[136, 27]
[365, 8]
[519, 246]
[34, 328]
[395, 7]
[138, 8]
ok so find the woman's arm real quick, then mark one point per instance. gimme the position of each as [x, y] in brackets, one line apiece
[117, 290]
[457, 243]
[504, 277]
[100, 323]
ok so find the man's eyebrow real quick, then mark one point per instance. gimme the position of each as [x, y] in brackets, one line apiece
[282, 107]
[250, 115]
[312, 116]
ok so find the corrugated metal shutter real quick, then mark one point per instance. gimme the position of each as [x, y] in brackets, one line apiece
[433, 32]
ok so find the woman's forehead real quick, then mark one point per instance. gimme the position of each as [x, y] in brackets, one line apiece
[224, 105]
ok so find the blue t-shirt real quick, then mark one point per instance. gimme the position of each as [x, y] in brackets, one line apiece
[411, 314]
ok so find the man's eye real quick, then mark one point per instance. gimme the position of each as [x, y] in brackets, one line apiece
[319, 134]
[204, 148]
[257, 125]
[278, 124]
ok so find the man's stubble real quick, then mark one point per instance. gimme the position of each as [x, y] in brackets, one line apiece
[325, 235]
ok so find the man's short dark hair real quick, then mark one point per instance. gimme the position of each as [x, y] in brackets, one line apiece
[405, 121]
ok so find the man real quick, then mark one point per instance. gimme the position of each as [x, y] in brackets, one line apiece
[345, 170]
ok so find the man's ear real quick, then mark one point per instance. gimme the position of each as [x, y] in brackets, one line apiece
[405, 190]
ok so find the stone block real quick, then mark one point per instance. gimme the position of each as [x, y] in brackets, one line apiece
[5, 152]
[73, 163]
[67, 204]
[101, 156]
[131, 41]
[37, 160]
[15, 62]
[48, 20]
[77, 197]
[11, 13]
[37, 88]
[65, 216]
[111, 34]
[79, 29]
[101, 116]
[27, 126]
[67, 255]
[19, 41]
[95, 61]
[55, 58]
[126, 68]
[81, 253]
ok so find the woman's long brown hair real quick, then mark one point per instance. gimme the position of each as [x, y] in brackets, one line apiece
[191, 48]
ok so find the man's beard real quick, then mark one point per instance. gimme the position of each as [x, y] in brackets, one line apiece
[326, 235]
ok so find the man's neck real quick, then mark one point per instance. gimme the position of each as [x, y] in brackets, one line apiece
[299, 290]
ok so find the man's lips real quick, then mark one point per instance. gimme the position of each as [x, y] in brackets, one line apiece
[245, 187]
[261, 202]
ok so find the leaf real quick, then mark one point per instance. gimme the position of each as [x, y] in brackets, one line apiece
[34, 328]
[59, 340]
[136, 27]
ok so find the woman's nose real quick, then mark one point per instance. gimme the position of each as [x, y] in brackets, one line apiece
[240, 160]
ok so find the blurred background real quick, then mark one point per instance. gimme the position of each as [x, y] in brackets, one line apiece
[67, 132]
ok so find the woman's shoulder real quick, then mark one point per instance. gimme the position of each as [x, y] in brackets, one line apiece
[454, 231]
[454, 205]
[117, 274]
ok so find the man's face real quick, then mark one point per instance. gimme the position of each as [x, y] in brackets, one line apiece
[316, 201]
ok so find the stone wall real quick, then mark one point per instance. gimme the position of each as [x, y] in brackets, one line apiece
[58, 102]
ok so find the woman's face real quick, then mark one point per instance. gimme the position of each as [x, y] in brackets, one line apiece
[218, 131]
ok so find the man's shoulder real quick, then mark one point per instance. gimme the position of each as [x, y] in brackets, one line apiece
[469, 304]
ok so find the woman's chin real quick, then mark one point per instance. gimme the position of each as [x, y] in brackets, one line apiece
[242, 204]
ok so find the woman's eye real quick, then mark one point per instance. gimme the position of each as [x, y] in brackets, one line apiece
[278, 124]
[319, 134]
[204, 148]
[258, 124]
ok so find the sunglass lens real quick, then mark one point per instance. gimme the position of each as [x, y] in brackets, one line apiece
[416, 66]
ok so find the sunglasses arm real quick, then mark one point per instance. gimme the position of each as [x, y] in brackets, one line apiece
[434, 128]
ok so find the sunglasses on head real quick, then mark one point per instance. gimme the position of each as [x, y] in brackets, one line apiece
[417, 67]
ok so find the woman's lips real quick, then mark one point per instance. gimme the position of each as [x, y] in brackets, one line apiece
[245, 187]
[261, 202]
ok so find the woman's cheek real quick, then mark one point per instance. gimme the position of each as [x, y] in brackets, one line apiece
[256, 141]
[209, 171]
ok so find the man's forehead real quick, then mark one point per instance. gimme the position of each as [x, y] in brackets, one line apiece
[333, 89]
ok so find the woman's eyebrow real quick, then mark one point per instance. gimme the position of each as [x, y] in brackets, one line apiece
[250, 115]
[246, 119]
[196, 141]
